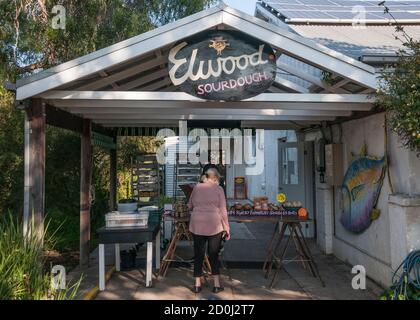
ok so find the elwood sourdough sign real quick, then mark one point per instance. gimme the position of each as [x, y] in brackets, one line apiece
[222, 65]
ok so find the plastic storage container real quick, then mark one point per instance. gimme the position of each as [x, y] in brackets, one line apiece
[129, 207]
[115, 220]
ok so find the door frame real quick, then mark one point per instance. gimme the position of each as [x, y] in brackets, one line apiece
[306, 176]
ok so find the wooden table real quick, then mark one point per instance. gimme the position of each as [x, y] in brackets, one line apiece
[120, 235]
[181, 231]
[276, 253]
[273, 258]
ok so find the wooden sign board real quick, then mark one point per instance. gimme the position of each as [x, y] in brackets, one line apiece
[240, 191]
[222, 65]
[257, 213]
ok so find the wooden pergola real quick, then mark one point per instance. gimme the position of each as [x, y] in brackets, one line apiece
[127, 85]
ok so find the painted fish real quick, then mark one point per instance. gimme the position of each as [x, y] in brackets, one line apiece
[360, 191]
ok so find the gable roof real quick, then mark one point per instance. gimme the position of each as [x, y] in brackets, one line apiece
[82, 69]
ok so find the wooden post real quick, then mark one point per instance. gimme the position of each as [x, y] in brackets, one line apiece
[85, 183]
[113, 179]
[27, 179]
[35, 116]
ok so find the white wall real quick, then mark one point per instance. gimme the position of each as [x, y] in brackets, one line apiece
[265, 184]
[372, 248]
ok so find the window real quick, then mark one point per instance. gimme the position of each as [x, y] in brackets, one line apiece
[290, 172]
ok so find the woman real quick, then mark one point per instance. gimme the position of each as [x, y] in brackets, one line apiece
[217, 168]
[208, 224]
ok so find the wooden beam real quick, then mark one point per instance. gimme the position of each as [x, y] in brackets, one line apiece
[102, 130]
[36, 118]
[108, 106]
[27, 179]
[85, 185]
[141, 67]
[103, 74]
[63, 119]
[184, 97]
[144, 80]
[336, 88]
[135, 120]
[284, 83]
[302, 74]
[274, 124]
[169, 89]
[116, 100]
[113, 179]
[157, 85]
[274, 89]
[70, 121]
[367, 91]
[133, 112]
[154, 124]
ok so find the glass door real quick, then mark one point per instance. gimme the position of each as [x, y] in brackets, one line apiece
[296, 177]
[291, 171]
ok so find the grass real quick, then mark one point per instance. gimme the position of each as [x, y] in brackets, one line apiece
[66, 229]
[23, 274]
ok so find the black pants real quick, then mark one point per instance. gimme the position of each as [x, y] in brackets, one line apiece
[213, 247]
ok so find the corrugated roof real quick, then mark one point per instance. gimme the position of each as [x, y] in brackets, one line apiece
[345, 11]
[373, 40]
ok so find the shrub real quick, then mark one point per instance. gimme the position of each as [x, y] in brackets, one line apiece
[399, 91]
[22, 266]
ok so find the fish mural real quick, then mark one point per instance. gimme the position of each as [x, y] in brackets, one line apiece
[360, 191]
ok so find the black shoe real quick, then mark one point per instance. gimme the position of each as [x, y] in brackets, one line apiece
[196, 289]
[218, 289]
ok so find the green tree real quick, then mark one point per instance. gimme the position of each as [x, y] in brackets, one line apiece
[28, 44]
[28, 41]
[11, 154]
[399, 92]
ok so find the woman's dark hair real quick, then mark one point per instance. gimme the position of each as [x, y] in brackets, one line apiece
[210, 166]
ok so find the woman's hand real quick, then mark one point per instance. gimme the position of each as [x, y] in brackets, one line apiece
[227, 236]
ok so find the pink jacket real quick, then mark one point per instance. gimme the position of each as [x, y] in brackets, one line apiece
[208, 210]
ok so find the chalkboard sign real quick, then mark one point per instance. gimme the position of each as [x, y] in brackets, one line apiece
[222, 65]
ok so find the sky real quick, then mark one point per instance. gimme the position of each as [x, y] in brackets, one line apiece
[247, 6]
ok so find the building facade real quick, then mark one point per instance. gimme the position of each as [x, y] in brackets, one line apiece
[382, 246]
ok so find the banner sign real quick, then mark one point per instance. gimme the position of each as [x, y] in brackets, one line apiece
[222, 65]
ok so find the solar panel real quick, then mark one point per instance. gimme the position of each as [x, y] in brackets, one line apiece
[343, 15]
[307, 15]
[399, 3]
[352, 3]
[283, 2]
[319, 2]
[406, 8]
[399, 15]
[285, 7]
[313, 10]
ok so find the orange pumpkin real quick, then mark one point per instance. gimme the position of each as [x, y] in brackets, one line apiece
[302, 213]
